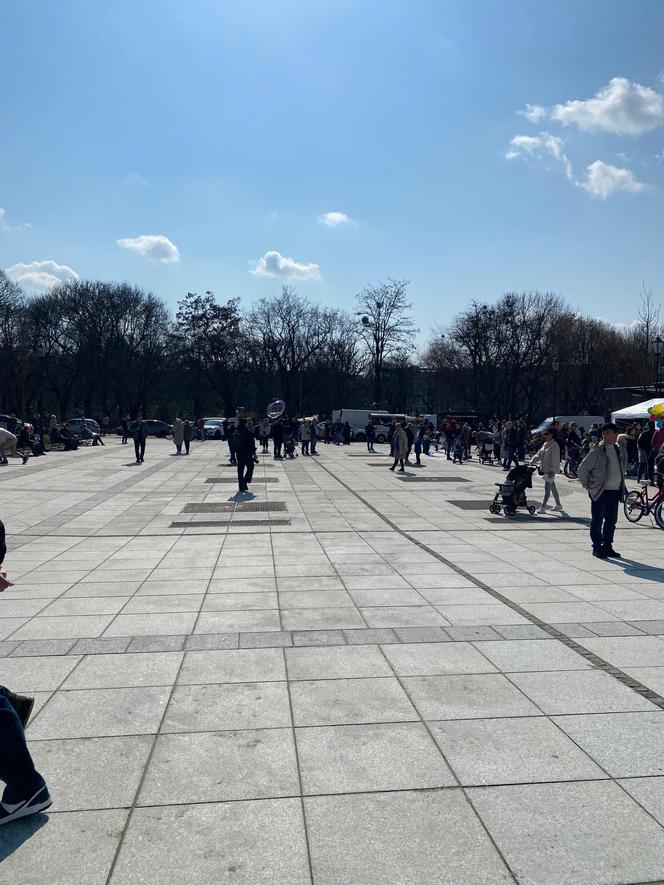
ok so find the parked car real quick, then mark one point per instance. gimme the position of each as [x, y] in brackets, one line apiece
[7, 421]
[76, 425]
[214, 428]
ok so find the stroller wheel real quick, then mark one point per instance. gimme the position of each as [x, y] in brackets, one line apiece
[532, 510]
[494, 508]
[510, 511]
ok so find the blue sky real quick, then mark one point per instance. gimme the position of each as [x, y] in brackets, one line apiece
[227, 130]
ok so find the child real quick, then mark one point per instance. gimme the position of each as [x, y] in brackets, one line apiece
[458, 451]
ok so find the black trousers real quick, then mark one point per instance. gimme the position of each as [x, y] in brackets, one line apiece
[139, 448]
[245, 471]
[187, 443]
[604, 517]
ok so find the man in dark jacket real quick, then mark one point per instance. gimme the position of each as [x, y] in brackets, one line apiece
[370, 436]
[139, 433]
[245, 452]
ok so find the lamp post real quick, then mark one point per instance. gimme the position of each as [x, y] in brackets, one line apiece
[658, 347]
[555, 365]
[378, 345]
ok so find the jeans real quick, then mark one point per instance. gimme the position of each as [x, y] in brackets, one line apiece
[550, 489]
[314, 440]
[245, 471]
[511, 456]
[17, 769]
[139, 447]
[604, 517]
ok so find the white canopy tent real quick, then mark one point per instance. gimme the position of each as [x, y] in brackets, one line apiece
[637, 412]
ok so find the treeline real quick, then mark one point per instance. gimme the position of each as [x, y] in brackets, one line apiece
[103, 348]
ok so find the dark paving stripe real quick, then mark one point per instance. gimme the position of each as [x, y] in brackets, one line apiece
[236, 507]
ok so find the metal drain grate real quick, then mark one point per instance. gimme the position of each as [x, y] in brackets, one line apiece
[433, 479]
[471, 505]
[226, 523]
[233, 507]
[231, 479]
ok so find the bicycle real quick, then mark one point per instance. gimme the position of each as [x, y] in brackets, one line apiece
[638, 504]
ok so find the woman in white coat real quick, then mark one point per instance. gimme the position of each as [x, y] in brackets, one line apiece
[400, 446]
[549, 459]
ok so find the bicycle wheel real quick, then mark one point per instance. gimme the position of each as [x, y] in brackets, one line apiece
[659, 514]
[570, 469]
[634, 506]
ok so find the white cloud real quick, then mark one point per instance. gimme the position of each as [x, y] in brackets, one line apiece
[274, 264]
[533, 112]
[40, 275]
[622, 107]
[602, 180]
[538, 147]
[334, 219]
[154, 246]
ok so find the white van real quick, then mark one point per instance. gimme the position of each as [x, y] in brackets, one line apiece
[359, 418]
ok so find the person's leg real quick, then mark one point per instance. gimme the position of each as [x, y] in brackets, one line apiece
[17, 769]
[401, 468]
[143, 449]
[547, 493]
[240, 474]
[396, 461]
[597, 517]
[249, 472]
[137, 449]
[554, 492]
[610, 518]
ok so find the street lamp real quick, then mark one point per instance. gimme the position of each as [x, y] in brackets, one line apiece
[555, 365]
[658, 347]
[378, 344]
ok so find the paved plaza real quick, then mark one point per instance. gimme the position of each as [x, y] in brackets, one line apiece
[353, 677]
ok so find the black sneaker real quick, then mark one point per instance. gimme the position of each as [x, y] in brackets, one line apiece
[39, 802]
[25, 459]
[600, 554]
[609, 551]
[23, 706]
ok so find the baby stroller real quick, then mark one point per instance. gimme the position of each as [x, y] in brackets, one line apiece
[485, 447]
[289, 445]
[512, 493]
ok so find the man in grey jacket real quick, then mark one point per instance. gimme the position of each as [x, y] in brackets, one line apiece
[602, 473]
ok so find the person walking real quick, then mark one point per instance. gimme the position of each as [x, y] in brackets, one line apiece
[314, 435]
[178, 435]
[548, 457]
[645, 452]
[265, 432]
[346, 433]
[277, 437]
[124, 424]
[400, 446]
[188, 435]
[245, 454]
[231, 430]
[305, 436]
[139, 434]
[602, 474]
[370, 435]
[510, 445]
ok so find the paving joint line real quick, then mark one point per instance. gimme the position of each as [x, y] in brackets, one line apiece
[595, 659]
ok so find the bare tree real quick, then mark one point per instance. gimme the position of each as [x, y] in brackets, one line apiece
[387, 325]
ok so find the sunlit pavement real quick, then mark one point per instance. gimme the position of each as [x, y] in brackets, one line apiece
[353, 676]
